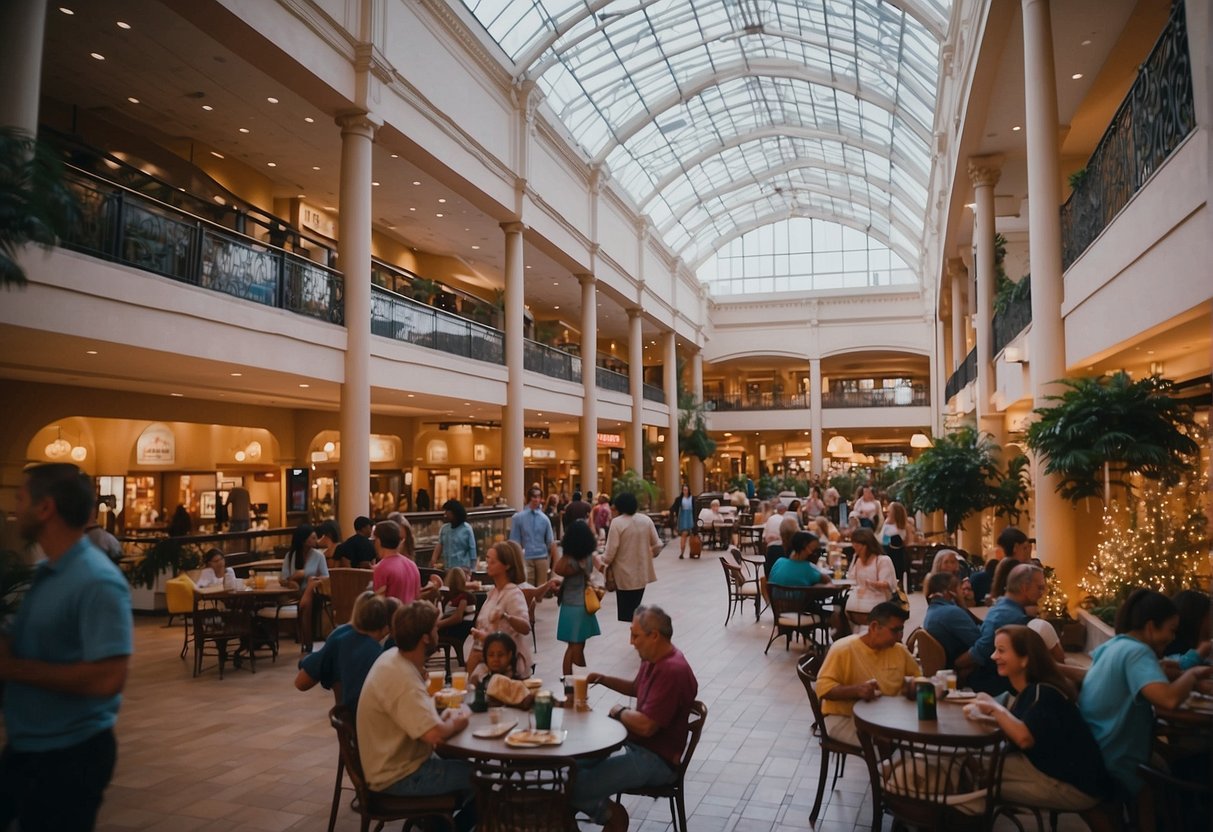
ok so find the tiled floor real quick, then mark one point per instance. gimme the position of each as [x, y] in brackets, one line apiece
[251, 752]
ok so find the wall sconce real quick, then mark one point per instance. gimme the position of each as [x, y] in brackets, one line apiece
[840, 446]
[920, 440]
[1156, 368]
[1012, 355]
[660, 459]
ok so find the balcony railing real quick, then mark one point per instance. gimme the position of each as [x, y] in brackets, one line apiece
[121, 225]
[654, 394]
[758, 401]
[402, 319]
[1006, 325]
[611, 380]
[914, 396]
[1155, 117]
[964, 374]
[540, 358]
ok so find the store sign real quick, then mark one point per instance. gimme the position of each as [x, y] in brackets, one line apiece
[314, 219]
[610, 440]
[383, 448]
[156, 445]
[543, 453]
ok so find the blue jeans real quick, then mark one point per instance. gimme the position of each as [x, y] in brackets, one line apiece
[630, 767]
[437, 777]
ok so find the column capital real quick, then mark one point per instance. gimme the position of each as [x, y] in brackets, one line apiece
[357, 122]
[513, 227]
[956, 268]
[585, 278]
[634, 312]
[985, 170]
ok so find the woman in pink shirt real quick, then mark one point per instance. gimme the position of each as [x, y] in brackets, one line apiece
[395, 575]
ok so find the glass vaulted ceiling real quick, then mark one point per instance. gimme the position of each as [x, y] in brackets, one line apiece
[717, 116]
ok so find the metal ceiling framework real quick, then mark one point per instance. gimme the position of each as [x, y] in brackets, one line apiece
[717, 115]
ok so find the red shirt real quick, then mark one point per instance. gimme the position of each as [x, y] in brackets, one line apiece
[665, 691]
[400, 576]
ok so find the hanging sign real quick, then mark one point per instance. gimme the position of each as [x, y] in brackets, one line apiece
[156, 445]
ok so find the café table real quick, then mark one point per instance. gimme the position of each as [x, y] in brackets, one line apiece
[900, 714]
[589, 734]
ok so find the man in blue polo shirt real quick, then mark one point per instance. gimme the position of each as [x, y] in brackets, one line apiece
[1025, 585]
[64, 662]
[950, 624]
[532, 529]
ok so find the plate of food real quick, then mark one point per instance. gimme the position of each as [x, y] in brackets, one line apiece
[1201, 702]
[960, 696]
[534, 739]
[492, 732]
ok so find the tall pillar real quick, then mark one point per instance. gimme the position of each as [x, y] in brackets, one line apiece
[22, 24]
[815, 416]
[513, 472]
[1055, 541]
[589, 383]
[957, 276]
[673, 482]
[636, 388]
[694, 463]
[354, 252]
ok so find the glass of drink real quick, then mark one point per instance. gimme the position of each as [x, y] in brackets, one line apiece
[543, 710]
[581, 692]
[459, 679]
[437, 681]
[951, 680]
[260, 581]
[496, 715]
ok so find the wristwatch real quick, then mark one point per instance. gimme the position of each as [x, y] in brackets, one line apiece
[616, 712]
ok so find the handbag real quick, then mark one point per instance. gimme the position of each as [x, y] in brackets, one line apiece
[610, 579]
[592, 602]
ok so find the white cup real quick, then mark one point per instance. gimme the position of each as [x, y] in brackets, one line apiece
[496, 715]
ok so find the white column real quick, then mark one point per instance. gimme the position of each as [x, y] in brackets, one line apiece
[957, 276]
[694, 464]
[513, 473]
[354, 253]
[815, 416]
[589, 383]
[673, 484]
[983, 173]
[1046, 340]
[636, 388]
[22, 24]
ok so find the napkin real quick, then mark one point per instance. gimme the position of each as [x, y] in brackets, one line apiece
[509, 691]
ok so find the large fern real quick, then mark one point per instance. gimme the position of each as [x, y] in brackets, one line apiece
[35, 205]
[959, 475]
[1133, 427]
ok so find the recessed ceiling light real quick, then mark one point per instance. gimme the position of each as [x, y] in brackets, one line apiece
[441, 200]
[132, 99]
[555, 307]
[235, 375]
[415, 182]
[555, 282]
[1086, 42]
[300, 196]
[475, 248]
[271, 164]
[1076, 76]
[66, 10]
[309, 119]
[315, 167]
[1016, 128]
[392, 227]
[329, 208]
[412, 395]
[376, 184]
[272, 100]
[90, 352]
[122, 24]
[245, 130]
[438, 215]
[305, 385]
[207, 107]
[528, 267]
[97, 56]
[219, 200]
[177, 395]
[412, 209]
[395, 155]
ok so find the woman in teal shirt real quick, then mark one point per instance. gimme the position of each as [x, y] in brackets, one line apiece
[797, 569]
[456, 541]
[1126, 682]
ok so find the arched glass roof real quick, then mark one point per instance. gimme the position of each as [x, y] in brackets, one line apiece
[712, 113]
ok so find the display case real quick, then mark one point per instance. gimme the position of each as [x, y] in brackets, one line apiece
[489, 525]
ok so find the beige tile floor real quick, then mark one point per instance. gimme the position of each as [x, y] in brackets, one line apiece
[252, 753]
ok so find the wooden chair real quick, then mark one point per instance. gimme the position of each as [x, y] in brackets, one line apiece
[929, 652]
[378, 806]
[675, 791]
[227, 629]
[1180, 805]
[807, 668]
[345, 585]
[525, 795]
[921, 779]
[740, 589]
[793, 612]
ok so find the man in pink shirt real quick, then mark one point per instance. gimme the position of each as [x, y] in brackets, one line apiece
[395, 575]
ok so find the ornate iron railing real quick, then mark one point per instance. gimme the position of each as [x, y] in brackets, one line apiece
[121, 225]
[965, 373]
[403, 319]
[915, 395]
[540, 358]
[653, 394]
[611, 380]
[758, 401]
[1155, 117]
[1006, 325]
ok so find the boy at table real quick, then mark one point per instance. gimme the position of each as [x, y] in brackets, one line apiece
[665, 688]
[864, 667]
[398, 725]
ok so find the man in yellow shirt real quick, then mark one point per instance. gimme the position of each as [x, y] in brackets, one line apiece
[864, 667]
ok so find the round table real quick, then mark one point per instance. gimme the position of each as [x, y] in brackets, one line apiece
[901, 714]
[590, 734]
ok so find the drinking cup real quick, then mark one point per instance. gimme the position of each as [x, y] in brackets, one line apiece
[260, 581]
[437, 681]
[459, 680]
[581, 692]
[543, 711]
[951, 680]
[496, 715]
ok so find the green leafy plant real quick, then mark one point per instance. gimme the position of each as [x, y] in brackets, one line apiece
[693, 439]
[1012, 490]
[768, 487]
[424, 289]
[1111, 427]
[848, 484]
[167, 554]
[15, 578]
[36, 206]
[629, 482]
[1077, 178]
[959, 475]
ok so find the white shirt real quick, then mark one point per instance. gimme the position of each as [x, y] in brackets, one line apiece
[208, 578]
[770, 529]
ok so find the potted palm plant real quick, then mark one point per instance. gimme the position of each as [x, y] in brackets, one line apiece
[35, 204]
